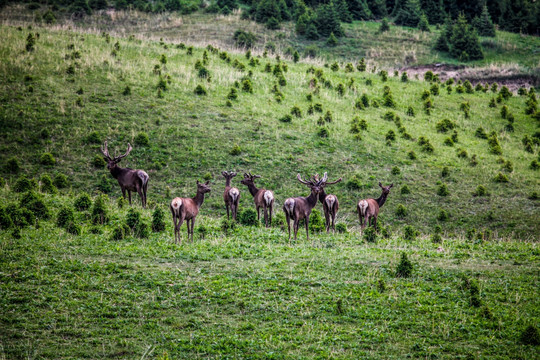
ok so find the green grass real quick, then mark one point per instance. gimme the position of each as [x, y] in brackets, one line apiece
[248, 294]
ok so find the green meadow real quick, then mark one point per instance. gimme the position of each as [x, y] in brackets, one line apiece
[464, 207]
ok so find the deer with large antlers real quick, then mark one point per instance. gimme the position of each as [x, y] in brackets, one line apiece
[187, 209]
[128, 179]
[368, 209]
[231, 196]
[299, 208]
[329, 202]
[263, 198]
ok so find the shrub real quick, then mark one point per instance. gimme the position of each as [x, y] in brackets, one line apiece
[530, 336]
[401, 211]
[47, 185]
[142, 139]
[445, 125]
[60, 181]
[158, 220]
[390, 135]
[5, 219]
[200, 90]
[47, 159]
[323, 132]
[395, 170]
[405, 267]
[65, 217]
[443, 215]
[23, 184]
[83, 202]
[535, 165]
[247, 86]
[405, 190]
[480, 133]
[99, 162]
[436, 238]
[448, 142]
[286, 118]
[316, 222]
[126, 91]
[445, 172]
[412, 155]
[409, 232]
[236, 150]
[493, 143]
[295, 111]
[504, 111]
[341, 228]
[248, 217]
[34, 203]
[118, 233]
[244, 38]
[99, 210]
[442, 190]
[12, 165]
[501, 178]
[369, 234]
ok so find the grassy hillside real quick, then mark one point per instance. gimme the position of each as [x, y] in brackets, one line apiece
[66, 98]
[399, 47]
[116, 291]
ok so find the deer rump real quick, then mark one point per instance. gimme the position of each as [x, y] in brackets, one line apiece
[367, 207]
[288, 207]
[140, 177]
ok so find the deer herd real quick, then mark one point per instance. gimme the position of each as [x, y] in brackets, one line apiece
[295, 208]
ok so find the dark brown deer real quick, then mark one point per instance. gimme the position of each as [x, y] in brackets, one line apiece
[368, 209]
[231, 196]
[128, 179]
[187, 209]
[263, 198]
[329, 202]
[299, 208]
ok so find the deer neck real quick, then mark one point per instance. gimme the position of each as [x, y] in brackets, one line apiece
[253, 189]
[312, 200]
[116, 171]
[199, 198]
[227, 182]
[381, 199]
[322, 196]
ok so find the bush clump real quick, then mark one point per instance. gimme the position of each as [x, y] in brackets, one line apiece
[501, 178]
[12, 165]
[47, 185]
[316, 222]
[24, 184]
[341, 228]
[409, 232]
[236, 150]
[99, 210]
[401, 211]
[158, 220]
[442, 190]
[65, 216]
[60, 181]
[47, 159]
[530, 336]
[370, 234]
[480, 191]
[34, 203]
[248, 217]
[142, 139]
[200, 90]
[83, 202]
[405, 268]
[445, 125]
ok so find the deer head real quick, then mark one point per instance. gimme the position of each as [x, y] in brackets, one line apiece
[385, 189]
[203, 187]
[314, 183]
[112, 161]
[228, 174]
[249, 179]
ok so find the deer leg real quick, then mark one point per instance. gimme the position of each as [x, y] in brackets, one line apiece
[288, 219]
[327, 218]
[144, 188]
[375, 223]
[296, 221]
[227, 206]
[192, 226]
[258, 215]
[123, 192]
[129, 196]
[270, 215]
[180, 221]
[334, 222]
[265, 213]
[307, 228]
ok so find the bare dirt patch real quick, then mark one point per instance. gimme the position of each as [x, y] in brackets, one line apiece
[512, 77]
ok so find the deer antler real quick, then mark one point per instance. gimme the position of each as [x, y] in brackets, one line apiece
[303, 181]
[325, 182]
[105, 151]
[118, 158]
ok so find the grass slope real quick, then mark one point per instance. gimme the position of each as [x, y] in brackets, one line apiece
[191, 136]
[246, 293]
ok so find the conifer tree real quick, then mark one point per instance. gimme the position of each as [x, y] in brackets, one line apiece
[360, 10]
[423, 24]
[378, 8]
[266, 10]
[328, 20]
[434, 10]
[484, 25]
[343, 10]
[384, 26]
[409, 14]
[464, 43]
[332, 41]
[443, 41]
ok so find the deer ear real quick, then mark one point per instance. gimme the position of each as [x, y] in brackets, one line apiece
[380, 184]
[198, 182]
[206, 183]
[223, 173]
[391, 185]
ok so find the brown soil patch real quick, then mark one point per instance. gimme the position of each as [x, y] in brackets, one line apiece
[511, 77]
